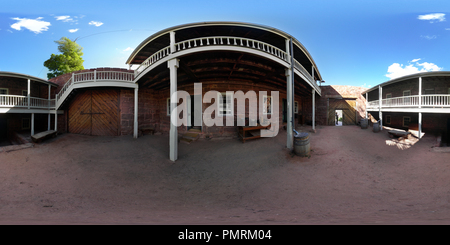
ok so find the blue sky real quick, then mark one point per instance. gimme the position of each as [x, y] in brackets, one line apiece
[353, 42]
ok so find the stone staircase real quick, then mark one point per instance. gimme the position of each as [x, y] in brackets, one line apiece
[192, 135]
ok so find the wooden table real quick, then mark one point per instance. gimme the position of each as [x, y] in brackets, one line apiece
[250, 132]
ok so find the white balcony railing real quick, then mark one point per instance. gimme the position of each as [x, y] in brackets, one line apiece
[92, 76]
[22, 102]
[429, 100]
[227, 41]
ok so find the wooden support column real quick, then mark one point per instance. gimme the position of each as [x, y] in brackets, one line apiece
[290, 135]
[313, 109]
[136, 124]
[173, 65]
[28, 93]
[32, 124]
[380, 114]
[420, 106]
[172, 42]
[48, 120]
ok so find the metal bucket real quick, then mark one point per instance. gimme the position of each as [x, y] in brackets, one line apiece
[301, 144]
[364, 123]
[376, 127]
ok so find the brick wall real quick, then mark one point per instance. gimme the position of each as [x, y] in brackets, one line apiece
[338, 92]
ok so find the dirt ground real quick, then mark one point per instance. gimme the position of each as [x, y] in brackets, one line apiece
[354, 176]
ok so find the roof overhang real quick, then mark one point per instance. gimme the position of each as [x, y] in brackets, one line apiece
[298, 47]
[24, 76]
[407, 77]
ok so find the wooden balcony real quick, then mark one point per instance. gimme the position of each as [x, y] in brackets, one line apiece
[415, 103]
[18, 103]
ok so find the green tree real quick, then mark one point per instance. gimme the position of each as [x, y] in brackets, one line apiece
[69, 61]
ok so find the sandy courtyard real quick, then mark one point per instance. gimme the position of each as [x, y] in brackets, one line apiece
[353, 176]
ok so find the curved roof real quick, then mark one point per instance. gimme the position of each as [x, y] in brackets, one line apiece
[25, 76]
[267, 34]
[412, 76]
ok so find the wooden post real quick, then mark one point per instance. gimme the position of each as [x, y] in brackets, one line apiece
[290, 136]
[136, 124]
[367, 102]
[173, 65]
[420, 106]
[32, 124]
[380, 114]
[48, 120]
[28, 94]
[313, 109]
[172, 42]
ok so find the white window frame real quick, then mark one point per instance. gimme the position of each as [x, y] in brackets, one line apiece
[429, 89]
[229, 106]
[26, 120]
[265, 98]
[4, 89]
[295, 107]
[388, 119]
[403, 122]
[388, 95]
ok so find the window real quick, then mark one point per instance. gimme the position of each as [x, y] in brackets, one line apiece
[406, 121]
[296, 107]
[168, 107]
[429, 91]
[24, 93]
[406, 101]
[388, 96]
[388, 119]
[225, 104]
[25, 123]
[3, 91]
[267, 104]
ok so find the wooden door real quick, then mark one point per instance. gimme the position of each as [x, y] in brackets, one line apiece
[95, 112]
[348, 111]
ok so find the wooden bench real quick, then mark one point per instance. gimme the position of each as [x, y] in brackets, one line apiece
[399, 133]
[250, 132]
[43, 136]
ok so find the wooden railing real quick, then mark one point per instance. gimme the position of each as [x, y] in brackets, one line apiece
[429, 100]
[227, 41]
[92, 76]
[22, 102]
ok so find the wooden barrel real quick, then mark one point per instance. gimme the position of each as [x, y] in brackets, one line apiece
[364, 123]
[376, 127]
[301, 144]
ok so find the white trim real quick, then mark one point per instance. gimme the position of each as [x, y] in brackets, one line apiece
[5, 89]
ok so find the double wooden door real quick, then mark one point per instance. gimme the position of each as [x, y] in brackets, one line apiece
[95, 112]
[348, 111]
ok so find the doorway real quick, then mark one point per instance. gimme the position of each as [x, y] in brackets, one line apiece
[191, 113]
[339, 117]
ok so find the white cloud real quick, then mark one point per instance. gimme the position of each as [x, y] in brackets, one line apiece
[396, 70]
[429, 37]
[64, 18]
[432, 17]
[127, 49]
[96, 23]
[73, 30]
[36, 25]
